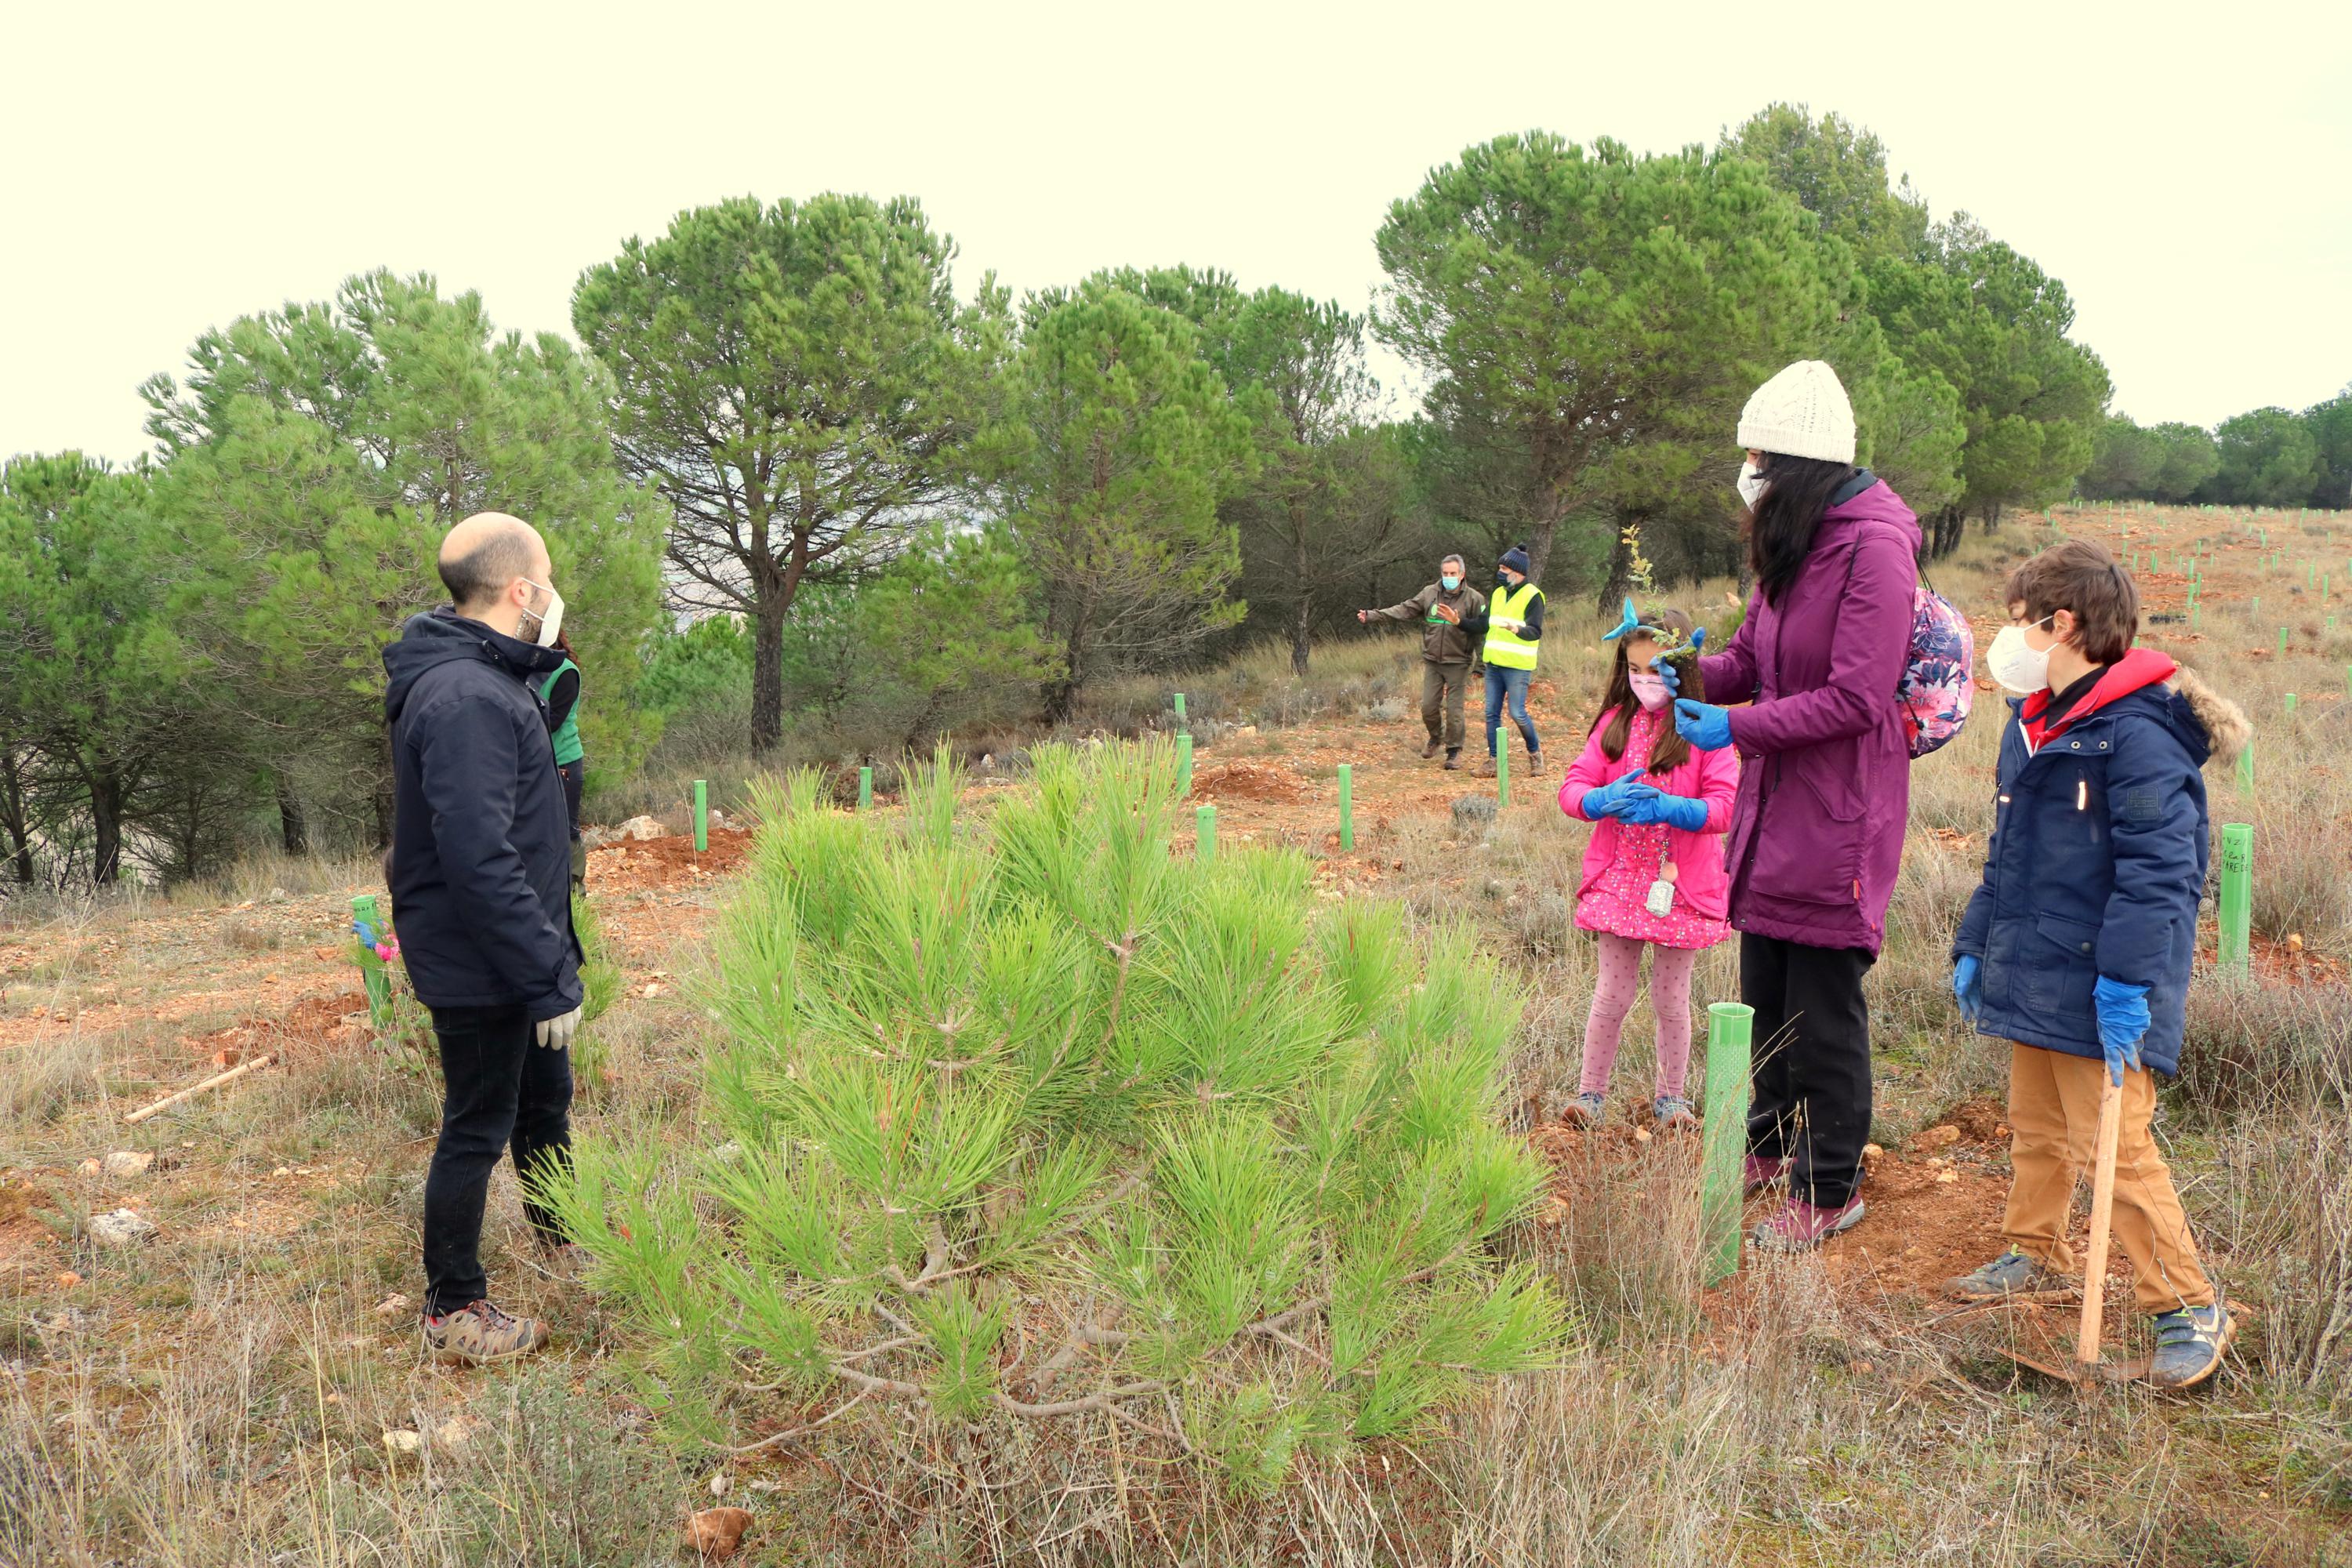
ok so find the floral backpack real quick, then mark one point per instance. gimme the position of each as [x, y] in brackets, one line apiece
[1938, 688]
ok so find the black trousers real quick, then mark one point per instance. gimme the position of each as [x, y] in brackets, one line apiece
[1811, 1075]
[498, 1088]
[575, 778]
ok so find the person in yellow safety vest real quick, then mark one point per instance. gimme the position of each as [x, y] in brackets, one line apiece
[1512, 622]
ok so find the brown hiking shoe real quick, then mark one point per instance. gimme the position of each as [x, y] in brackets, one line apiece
[1431, 750]
[1484, 770]
[480, 1332]
[1454, 760]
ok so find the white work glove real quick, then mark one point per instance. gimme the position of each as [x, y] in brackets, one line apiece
[556, 1033]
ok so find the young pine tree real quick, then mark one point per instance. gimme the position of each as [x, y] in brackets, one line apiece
[1025, 1118]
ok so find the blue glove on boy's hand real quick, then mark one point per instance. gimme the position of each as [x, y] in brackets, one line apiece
[1703, 724]
[1967, 984]
[1674, 810]
[2123, 1019]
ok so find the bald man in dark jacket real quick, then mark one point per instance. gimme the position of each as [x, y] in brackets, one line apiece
[480, 878]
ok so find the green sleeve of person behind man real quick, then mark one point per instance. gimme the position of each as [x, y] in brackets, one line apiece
[565, 736]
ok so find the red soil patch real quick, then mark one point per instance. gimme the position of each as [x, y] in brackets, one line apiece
[1247, 779]
[314, 1025]
[650, 865]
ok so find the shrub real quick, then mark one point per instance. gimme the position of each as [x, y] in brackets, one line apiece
[1026, 1118]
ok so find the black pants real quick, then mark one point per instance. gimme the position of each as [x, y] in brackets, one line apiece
[498, 1087]
[1811, 1068]
[575, 779]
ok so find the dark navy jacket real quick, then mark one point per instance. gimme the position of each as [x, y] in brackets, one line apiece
[2098, 860]
[481, 840]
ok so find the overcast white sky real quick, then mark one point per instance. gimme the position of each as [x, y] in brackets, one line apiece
[2187, 171]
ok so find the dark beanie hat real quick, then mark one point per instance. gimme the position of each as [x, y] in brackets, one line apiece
[1515, 558]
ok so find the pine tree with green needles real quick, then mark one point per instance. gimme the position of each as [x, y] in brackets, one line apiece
[1027, 1119]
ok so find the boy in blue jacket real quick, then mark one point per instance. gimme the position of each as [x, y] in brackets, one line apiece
[2076, 946]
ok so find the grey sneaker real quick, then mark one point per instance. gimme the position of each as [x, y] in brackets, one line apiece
[480, 1332]
[2011, 1274]
[2188, 1345]
[1801, 1227]
[1584, 1111]
[1673, 1114]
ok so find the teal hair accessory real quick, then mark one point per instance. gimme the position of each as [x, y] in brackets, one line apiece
[1626, 627]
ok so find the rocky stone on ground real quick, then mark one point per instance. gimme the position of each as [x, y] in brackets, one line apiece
[120, 1227]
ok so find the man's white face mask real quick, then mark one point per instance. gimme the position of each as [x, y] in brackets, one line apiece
[550, 619]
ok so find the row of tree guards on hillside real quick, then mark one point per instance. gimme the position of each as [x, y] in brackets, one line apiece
[811, 500]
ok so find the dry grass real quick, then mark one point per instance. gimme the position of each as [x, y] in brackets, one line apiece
[218, 1397]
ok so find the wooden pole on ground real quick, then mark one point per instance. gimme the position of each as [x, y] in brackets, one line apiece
[195, 1089]
[2103, 1210]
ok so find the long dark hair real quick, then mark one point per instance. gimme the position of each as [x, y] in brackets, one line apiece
[1618, 704]
[1781, 528]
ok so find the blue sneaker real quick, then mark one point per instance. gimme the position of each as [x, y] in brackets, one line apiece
[1585, 1110]
[2188, 1345]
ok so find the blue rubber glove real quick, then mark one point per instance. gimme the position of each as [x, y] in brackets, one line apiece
[1667, 672]
[2123, 1019]
[1675, 810]
[1703, 724]
[1611, 799]
[1968, 986]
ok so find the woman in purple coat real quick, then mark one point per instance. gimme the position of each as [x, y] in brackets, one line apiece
[1826, 789]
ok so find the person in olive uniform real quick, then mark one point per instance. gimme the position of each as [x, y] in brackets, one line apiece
[1447, 652]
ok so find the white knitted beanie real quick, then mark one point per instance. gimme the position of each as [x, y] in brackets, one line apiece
[1804, 411]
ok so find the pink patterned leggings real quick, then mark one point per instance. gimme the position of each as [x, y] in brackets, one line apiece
[1613, 992]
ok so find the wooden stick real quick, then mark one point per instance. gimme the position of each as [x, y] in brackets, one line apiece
[195, 1089]
[2103, 1209]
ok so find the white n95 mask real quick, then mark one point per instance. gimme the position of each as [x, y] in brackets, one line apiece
[2017, 663]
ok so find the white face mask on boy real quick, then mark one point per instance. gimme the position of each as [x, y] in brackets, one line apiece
[2017, 663]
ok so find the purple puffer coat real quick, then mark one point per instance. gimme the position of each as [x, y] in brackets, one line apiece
[1817, 831]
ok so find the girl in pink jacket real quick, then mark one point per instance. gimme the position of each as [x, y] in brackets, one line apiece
[1653, 871]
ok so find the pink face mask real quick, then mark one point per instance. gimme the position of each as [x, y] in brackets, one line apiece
[1650, 691]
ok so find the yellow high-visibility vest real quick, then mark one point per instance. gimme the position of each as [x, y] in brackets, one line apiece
[1508, 649]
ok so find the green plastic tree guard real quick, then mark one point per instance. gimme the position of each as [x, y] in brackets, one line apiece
[701, 816]
[1346, 808]
[372, 974]
[1724, 1141]
[1204, 833]
[1502, 773]
[1182, 727]
[865, 789]
[2282, 642]
[2246, 770]
[1183, 766]
[2237, 895]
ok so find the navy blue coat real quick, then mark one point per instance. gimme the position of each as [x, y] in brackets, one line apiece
[481, 840]
[2097, 862]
